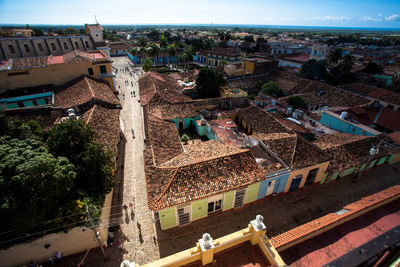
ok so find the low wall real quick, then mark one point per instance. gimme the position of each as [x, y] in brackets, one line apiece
[74, 241]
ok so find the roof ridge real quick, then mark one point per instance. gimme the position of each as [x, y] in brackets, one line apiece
[90, 87]
[91, 113]
[294, 152]
[168, 185]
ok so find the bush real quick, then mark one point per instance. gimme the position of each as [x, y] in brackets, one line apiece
[185, 138]
[272, 89]
[296, 102]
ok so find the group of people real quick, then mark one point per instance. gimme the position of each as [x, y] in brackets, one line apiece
[57, 259]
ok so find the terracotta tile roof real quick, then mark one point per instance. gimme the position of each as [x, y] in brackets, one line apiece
[285, 85]
[45, 117]
[82, 91]
[29, 62]
[77, 56]
[164, 139]
[223, 51]
[261, 121]
[167, 87]
[95, 27]
[333, 218]
[360, 88]
[349, 151]
[364, 115]
[386, 95]
[283, 144]
[105, 122]
[294, 126]
[246, 82]
[390, 119]
[307, 154]
[161, 108]
[198, 150]
[203, 179]
[395, 137]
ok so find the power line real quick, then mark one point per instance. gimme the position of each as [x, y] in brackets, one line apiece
[45, 222]
[58, 227]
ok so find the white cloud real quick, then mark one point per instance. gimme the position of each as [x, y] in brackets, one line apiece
[329, 18]
[289, 18]
[393, 17]
[365, 18]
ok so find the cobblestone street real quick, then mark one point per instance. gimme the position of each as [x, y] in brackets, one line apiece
[141, 237]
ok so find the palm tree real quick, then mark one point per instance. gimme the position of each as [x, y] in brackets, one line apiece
[142, 42]
[171, 51]
[153, 51]
[335, 57]
[347, 63]
[147, 64]
[133, 52]
[163, 42]
[188, 54]
[208, 44]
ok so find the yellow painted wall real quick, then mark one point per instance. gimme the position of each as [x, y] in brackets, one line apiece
[249, 67]
[228, 200]
[252, 192]
[320, 174]
[56, 74]
[168, 218]
[69, 243]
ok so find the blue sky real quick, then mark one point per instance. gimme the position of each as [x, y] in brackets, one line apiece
[340, 13]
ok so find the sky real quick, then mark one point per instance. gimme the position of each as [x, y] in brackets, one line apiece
[336, 13]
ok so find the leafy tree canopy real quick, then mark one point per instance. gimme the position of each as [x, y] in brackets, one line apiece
[272, 89]
[373, 68]
[41, 181]
[296, 102]
[208, 83]
[313, 69]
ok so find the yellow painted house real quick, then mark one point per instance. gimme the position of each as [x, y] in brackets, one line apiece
[55, 70]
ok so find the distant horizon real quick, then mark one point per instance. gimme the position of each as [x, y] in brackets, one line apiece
[209, 25]
[310, 13]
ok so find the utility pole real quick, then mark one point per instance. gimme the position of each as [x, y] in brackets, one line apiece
[97, 236]
[372, 152]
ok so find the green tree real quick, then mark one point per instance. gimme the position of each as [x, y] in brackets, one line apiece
[258, 86]
[147, 65]
[335, 57]
[70, 31]
[37, 32]
[188, 55]
[272, 89]
[373, 68]
[142, 42]
[74, 140]
[185, 138]
[59, 31]
[163, 42]
[208, 83]
[347, 63]
[171, 51]
[34, 185]
[296, 102]
[208, 44]
[153, 51]
[249, 38]
[313, 69]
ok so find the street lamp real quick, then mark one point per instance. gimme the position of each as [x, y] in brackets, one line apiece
[372, 152]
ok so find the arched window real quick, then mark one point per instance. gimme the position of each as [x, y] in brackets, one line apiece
[65, 46]
[76, 45]
[11, 48]
[27, 49]
[40, 47]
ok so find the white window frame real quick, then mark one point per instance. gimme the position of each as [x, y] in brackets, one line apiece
[214, 199]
